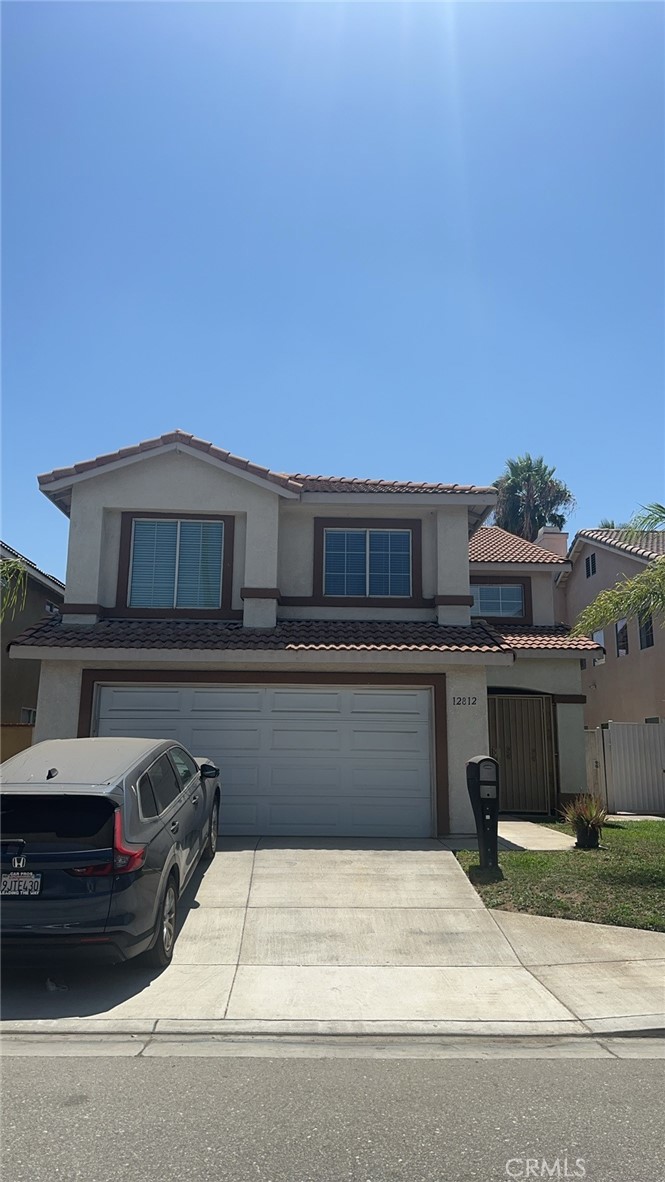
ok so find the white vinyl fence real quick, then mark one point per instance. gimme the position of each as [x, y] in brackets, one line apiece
[625, 764]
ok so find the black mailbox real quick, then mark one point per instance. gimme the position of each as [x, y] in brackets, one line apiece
[482, 780]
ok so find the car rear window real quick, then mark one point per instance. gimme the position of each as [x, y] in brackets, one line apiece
[85, 821]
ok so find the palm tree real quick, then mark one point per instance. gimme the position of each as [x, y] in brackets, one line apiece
[13, 586]
[530, 497]
[643, 595]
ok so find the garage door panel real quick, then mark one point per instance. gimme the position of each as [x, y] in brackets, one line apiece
[299, 738]
[388, 702]
[301, 702]
[148, 701]
[374, 778]
[301, 760]
[238, 816]
[231, 701]
[228, 737]
[304, 777]
[387, 738]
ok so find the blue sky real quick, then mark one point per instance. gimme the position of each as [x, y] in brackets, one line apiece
[405, 240]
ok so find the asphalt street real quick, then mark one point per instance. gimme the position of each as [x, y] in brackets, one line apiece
[101, 1119]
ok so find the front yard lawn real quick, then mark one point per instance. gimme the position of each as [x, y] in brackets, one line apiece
[622, 883]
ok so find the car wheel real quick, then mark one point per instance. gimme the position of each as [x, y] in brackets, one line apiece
[161, 953]
[210, 847]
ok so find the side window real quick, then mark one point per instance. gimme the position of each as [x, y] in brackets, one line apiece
[165, 784]
[185, 767]
[147, 797]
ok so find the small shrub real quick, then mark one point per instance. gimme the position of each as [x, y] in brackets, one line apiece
[587, 815]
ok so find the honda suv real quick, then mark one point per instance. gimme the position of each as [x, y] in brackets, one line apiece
[98, 839]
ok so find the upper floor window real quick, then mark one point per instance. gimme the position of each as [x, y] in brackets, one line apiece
[599, 637]
[498, 600]
[176, 564]
[621, 627]
[646, 632]
[590, 565]
[367, 563]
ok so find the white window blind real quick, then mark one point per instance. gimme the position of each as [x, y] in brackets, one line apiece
[500, 599]
[176, 564]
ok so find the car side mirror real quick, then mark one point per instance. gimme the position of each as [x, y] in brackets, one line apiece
[208, 772]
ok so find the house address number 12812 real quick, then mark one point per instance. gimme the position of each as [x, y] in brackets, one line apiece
[464, 701]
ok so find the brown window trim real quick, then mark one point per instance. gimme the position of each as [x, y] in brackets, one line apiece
[90, 678]
[122, 609]
[319, 599]
[506, 580]
[259, 592]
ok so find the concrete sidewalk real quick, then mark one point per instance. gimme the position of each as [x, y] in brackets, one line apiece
[355, 937]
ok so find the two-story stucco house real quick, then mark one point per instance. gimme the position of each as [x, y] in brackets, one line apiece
[331, 643]
[629, 684]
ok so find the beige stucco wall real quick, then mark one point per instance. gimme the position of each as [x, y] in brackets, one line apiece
[296, 542]
[172, 482]
[624, 689]
[467, 736]
[59, 700]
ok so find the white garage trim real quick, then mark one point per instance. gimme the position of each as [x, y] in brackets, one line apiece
[300, 759]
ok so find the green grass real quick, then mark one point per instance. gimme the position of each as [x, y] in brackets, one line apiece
[622, 883]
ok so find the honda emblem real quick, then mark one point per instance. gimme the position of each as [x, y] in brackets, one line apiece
[20, 863]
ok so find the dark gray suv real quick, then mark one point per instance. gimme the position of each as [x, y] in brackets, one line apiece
[98, 839]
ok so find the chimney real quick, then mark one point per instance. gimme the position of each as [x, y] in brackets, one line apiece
[552, 539]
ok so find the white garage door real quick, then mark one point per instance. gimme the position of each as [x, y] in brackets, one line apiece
[296, 760]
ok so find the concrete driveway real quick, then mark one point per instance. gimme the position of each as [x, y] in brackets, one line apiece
[353, 936]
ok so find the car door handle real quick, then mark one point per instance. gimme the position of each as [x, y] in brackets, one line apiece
[174, 826]
[195, 800]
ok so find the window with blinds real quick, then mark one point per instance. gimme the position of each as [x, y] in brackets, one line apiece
[367, 562]
[501, 599]
[176, 564]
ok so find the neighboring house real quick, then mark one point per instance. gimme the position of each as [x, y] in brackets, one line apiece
[20, 680]
[629, 686]
[317, 637]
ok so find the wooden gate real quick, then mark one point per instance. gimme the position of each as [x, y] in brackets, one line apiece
[520, 730]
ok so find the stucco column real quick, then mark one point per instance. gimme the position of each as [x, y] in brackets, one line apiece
[58, 701]
[466, 707]
[452, 562]
[572, 755]
[261, 546]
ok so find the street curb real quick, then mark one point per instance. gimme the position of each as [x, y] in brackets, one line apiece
[322, 1033]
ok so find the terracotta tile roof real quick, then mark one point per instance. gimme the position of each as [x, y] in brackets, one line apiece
[555, 637]
[492, 544]
[9, 552]
[160, 441]
[295, 482]
[298, 636]
[649, 544]
[338, 484]
[289, 635]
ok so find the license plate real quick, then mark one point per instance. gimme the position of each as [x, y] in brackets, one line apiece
[22, 884]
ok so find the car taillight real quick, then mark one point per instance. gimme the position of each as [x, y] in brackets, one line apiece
[125, 857]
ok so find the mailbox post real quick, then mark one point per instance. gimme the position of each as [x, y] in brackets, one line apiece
[482, 780]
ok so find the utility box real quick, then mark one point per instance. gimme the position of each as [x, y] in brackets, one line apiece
[482, 781]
